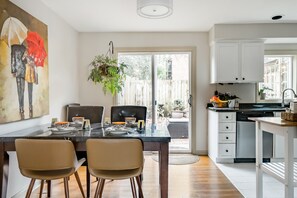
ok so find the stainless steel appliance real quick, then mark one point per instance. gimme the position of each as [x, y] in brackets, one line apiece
[246, 136]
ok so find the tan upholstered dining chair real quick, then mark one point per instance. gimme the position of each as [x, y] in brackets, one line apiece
[47, 160]
[115, 159]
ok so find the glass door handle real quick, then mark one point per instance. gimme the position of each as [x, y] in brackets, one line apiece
[190, 100]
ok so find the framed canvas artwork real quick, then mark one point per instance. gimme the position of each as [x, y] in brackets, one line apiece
[24, 87]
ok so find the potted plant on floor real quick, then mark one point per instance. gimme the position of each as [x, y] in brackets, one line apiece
[106, 70]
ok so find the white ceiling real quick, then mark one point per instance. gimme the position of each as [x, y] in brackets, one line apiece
[188, 15]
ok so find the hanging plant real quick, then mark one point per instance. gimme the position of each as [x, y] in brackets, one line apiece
[105, 70]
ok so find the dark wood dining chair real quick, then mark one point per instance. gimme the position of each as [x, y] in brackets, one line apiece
[118, 113]
[93, 113]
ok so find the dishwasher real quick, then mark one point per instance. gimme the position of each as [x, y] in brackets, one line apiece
[246, 137]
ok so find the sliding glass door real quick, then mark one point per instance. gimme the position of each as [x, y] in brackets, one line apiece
[161, 82]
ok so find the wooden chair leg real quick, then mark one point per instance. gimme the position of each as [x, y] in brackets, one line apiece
[88, 178]
[79, 184]
[49, 188]
[101, 187]
[66, 187]
[30, 188]
[138, 180]
[97, 188]
[41, 188]
[133, 187]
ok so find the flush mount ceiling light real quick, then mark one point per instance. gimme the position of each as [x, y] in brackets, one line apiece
[154, 9]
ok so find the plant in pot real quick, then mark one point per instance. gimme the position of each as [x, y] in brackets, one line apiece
[105, 70]
[262, 92]
[178, 109]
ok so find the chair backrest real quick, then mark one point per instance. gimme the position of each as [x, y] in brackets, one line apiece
[118, 113]
[39, 155]
[115, 154]
[94, 113]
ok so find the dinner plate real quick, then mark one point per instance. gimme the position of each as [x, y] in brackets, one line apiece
[63, 130]
[118, 132]
[60, 132]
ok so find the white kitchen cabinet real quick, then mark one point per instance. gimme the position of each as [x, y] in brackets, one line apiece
[237, 62]
[221, 136]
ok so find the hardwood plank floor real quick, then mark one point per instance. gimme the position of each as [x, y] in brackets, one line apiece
[202, 179]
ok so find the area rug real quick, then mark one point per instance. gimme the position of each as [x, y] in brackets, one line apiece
[179, 159]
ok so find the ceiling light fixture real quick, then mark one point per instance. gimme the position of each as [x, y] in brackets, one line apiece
[154, 9]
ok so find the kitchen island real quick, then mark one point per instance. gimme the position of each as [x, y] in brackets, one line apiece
[286, 171]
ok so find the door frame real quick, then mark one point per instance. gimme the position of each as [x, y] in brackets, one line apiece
[192, 81]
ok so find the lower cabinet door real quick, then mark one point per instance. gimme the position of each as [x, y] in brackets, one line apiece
[227, 150]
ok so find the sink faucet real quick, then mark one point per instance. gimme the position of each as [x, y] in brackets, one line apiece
[283, 96]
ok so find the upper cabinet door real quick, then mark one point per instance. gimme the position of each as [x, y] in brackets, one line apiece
[225, 63]
[237, 62]
[252, 62]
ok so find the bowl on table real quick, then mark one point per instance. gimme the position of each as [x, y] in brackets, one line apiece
[78, 120]
[61, 125]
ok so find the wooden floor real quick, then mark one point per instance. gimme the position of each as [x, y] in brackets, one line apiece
[202, 179]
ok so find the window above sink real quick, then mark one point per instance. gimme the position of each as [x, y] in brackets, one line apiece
[278, 75]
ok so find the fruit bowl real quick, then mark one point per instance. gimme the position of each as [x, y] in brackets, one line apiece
[221, 104]
[217, 103]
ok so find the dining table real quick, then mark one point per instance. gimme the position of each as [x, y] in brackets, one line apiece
[154, 137]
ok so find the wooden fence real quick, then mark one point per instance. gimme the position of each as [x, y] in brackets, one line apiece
[139, 92]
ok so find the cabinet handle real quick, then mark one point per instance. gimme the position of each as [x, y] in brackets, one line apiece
[227, 127]
[227, 151]
[227, 117]
[236, 78]
[227, 138]
[243, 78]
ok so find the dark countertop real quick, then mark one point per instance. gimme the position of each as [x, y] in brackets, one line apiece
[151, 134]
[268, 107]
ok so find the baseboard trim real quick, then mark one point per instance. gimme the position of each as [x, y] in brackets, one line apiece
[201, 152]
